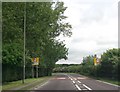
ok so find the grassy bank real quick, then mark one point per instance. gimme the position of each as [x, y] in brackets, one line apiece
[29, 84]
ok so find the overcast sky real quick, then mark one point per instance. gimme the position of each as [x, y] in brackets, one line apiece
[95, 28]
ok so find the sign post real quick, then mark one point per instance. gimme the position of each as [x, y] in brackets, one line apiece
[95, 60]
[37, 59]
[32, 71]
[35, 63]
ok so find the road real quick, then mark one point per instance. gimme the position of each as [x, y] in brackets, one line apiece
[64, 81]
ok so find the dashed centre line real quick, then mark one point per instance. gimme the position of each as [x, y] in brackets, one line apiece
[87, 87]
[77, 87]
[73, 81]
[79, 82]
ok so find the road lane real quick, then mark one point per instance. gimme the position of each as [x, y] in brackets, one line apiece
[59, 82]
[92, 83]
[64, 81]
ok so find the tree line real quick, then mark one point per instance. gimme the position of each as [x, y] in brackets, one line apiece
[44, 22]
[107, 68]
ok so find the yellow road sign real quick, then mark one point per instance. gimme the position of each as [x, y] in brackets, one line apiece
[95, 61]
[35, 61]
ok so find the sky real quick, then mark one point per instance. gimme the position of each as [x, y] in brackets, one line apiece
[94, 27]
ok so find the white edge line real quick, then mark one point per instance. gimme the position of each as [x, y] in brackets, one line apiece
[87, 87]
[108, 83]
[77, 87]
[39, 86]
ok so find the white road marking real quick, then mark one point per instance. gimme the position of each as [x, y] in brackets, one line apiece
[39, 86]
[36, 88]
[81, 77]
[77, 87]
[87, 87]
[108, 83]
[79, 82]
[73, 81]
[62, 78]
[69, 77]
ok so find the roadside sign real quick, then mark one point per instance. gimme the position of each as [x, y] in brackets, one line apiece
[35, 61]
[95, 61]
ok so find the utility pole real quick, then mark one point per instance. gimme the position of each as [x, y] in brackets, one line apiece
[23, 81]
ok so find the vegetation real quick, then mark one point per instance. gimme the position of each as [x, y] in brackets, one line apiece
[71, 68]
[44, 22]
[30, 83]
[107, 69]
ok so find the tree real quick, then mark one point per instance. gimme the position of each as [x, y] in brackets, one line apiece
[44, 22]
[110, 63]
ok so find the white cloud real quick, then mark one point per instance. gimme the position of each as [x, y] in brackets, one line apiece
[95, 28]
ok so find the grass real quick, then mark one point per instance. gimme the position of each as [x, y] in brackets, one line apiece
[14, 84]
[29, 83]
[0, 88]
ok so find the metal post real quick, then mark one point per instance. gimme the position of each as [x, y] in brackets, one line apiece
[32, 71]
[36, 71]
[24, 43]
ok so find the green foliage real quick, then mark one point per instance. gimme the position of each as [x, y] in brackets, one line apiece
[71, 68]
[108, 67]
[88, 60]
[12, 22]
[44, 22]
[12, 55]
[110, 63]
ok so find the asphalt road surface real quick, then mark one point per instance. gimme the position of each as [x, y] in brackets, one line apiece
[64, 81]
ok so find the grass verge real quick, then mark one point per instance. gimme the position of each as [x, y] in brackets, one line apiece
[29, 83]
